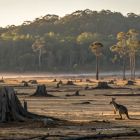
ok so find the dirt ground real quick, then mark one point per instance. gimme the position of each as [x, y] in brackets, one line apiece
[86, 116]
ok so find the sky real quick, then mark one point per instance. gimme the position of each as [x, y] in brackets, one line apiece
[14, 12]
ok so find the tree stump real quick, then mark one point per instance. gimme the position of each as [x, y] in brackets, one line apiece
[60, 82]
[54, 80]
[86, 87]
[33, 81]
[25, 84]
[69, 83]
[75, 94]
[130, 82]
[103, 85]
[111, 82]
[10, 106]
[41, 91]
[2, 80]
[88, 80]
[57, 85]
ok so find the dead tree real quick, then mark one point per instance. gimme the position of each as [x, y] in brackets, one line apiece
[2, 80]
[11, 108]
[60, 82]
[130, 82]
[69, 83]
[103, 85]
[33, 81]
[75, 94]
[54, 80]
[25, 84]
[41, 91]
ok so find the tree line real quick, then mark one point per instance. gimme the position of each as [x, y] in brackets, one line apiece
[53, 43]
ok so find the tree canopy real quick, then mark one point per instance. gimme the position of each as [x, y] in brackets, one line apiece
[66, 40]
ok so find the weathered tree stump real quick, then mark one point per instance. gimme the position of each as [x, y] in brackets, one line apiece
[57, 85]
[41, 91]
[88, 80]
[60, 82]
[103, 85]
[10, 107]
[25, 106]
[111, 82]
[2, 80]
[33, 81]
[86, 87]
[75, 94]
[130, 82]
[69, 83]
[54, 80]
[25, 84]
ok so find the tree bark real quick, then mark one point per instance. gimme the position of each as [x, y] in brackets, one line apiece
[131, 66]
[97, 67]
[41, 91]
[39, 59]
[124, 67]
[134, 67]
[10, 106]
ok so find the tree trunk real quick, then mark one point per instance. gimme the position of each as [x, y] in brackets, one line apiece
[103, 85]
[124, 68]
[10, 107]
[134, 66]
[97, 67]
[39, 59]
[131, 66]
[41, 91]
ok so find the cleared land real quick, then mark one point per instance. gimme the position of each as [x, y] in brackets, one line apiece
[86, 116]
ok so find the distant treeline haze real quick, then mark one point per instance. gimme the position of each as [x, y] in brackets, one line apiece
[51, 43]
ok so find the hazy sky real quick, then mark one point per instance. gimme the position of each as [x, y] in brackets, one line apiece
[17, 11]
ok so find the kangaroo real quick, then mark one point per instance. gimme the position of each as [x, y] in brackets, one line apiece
[120, 108]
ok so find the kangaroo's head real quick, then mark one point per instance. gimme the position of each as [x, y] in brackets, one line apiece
[113, 100]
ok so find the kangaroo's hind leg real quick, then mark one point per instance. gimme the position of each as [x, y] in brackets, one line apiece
[120, 116]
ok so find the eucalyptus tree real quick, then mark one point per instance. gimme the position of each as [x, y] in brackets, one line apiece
[96, 48]
[133, 46]
[39, 47]
[121, 49]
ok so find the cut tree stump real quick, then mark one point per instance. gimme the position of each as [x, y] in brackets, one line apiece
[130, 82]
[75, 94]
[41, 91]
[25, 84]
[11, 108]
[33, 81]
[111, 82]
[57, 85]
[54, 80]
[69, 83]
[103, 85]
[60, 82]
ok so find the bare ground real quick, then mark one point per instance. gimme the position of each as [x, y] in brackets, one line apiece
[88, 117]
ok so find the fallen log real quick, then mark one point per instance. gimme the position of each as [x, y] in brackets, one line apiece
[105, 136]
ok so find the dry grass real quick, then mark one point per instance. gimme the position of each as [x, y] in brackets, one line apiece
[86, 119]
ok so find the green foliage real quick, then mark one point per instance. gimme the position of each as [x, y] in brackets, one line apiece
[66, 41]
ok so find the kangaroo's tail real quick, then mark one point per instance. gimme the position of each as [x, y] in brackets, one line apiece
[127, 115]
